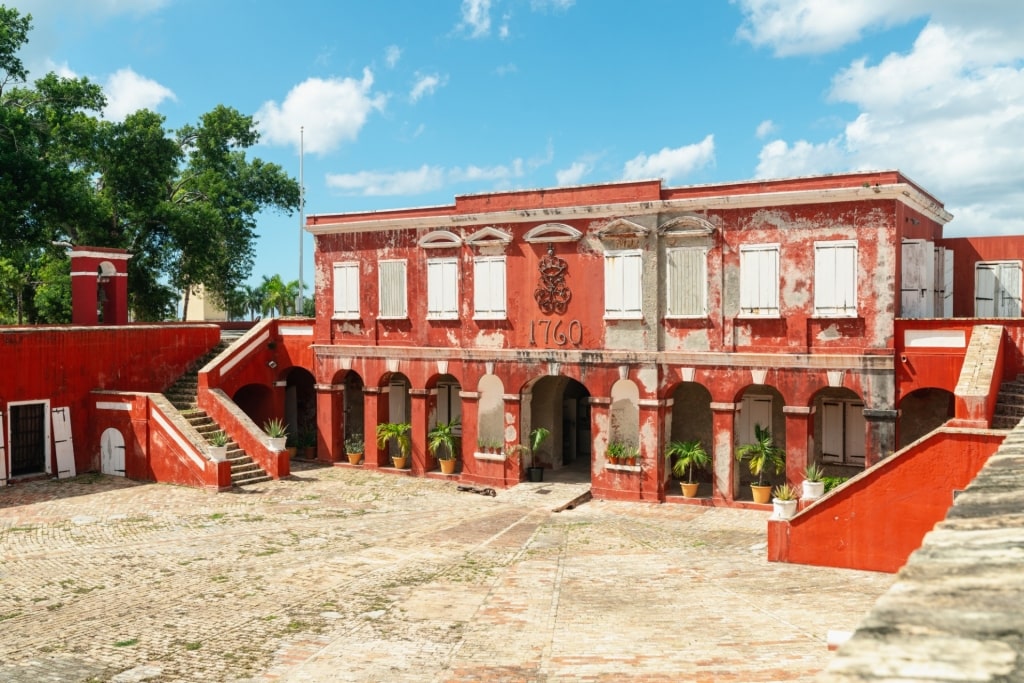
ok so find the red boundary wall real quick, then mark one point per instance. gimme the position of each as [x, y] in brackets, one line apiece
[877, 519]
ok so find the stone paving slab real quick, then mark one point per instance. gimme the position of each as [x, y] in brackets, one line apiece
[338, 574]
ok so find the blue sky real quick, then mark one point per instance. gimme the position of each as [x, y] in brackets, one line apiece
[411, 102]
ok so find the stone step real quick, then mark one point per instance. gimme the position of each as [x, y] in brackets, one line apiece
[1009, 410]
[1004, 422]
[246, 479]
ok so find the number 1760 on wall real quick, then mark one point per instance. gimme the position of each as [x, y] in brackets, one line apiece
[548, 332]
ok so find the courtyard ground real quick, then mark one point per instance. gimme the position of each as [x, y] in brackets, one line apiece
[340, 574]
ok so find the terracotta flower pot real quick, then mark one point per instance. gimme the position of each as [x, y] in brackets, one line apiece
[399, 461]
[762, 494]
[447, 466]
[354, 458]
[689, 490]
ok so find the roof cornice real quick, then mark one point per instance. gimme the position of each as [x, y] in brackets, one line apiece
[901, 192]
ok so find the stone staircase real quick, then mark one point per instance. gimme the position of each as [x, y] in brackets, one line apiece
[182, 395]
[1009, 405]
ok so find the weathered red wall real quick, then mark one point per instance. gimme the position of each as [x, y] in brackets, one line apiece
[967, 251]
[63, 364]
[879, 517]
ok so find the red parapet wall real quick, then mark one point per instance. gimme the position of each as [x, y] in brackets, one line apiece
[878, 518]
[64, 364]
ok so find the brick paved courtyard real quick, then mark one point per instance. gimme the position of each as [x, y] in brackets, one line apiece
[343, 575]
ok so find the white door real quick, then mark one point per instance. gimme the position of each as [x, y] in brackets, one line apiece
[62, 442]
[947, 283]
[856, 432]
[754, 410]
[3, 451]
[832, 432]
[112, 453]
[997, 289]
[918, 280]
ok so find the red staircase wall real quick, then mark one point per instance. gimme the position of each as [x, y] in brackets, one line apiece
[878, 518]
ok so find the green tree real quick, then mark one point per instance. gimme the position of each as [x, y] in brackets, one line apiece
[184, 202]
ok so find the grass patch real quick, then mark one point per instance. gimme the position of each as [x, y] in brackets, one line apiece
[218, 515]
[9, 615]
[126, 643]
[220, 578]
[193, 646]
[54, 607]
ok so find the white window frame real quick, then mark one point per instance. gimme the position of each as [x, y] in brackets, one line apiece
[490, 288]
[835, 279]
[443, 288]
[623, 284]
[389, 291]
[678, 281]
[1006, 295]
[345, 290]
[759, 281]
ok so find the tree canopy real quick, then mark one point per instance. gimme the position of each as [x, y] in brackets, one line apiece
[183, 202]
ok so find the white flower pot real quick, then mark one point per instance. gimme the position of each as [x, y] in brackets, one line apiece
[813, 490]
[218, 453]
[783, 509]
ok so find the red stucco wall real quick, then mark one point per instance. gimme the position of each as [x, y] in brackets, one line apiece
[877, 519]
[64, 364]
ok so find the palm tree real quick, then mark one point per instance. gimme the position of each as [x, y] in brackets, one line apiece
[274, 295]
[253, 301]
[762, 454]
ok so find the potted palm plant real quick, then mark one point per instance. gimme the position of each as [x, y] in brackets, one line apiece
[278, 433]
[761, 456]
[689, 456]
[397, 433]
[443, 442]
[538, 435]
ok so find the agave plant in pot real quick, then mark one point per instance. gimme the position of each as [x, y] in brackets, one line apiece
[354, 447]
[784, 502]
[689, 457]
[762, 455]
[444, 443]
[814, 484]
[278, 433]
[397, 433]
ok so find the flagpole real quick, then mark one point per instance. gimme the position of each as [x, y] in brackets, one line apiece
[302, 205]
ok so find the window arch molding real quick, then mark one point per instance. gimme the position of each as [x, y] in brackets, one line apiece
[552, 232]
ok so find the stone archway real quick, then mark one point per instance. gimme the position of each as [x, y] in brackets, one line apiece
[561, 405]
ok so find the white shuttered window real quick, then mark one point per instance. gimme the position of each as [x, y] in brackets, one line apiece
[623, 284]
[842, 432]
[687, 282]
[392, 290]
[835, 279]
[489, 287]
[759, 280]
[346, 291]
[442, 289]
[997, 289]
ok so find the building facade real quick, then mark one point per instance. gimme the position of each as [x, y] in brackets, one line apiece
[629, 313]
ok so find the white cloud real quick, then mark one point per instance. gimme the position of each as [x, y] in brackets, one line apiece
[421, 180]
[778, 159]
[791, 27]
[332, 111]
[947, 113]
[374, 184]
[766, 128]
[506, 69]
[574, 174]
[128, 92]
[671, 163]
[557, 5]
[476, 17]
[425, 85]
[391, 55]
